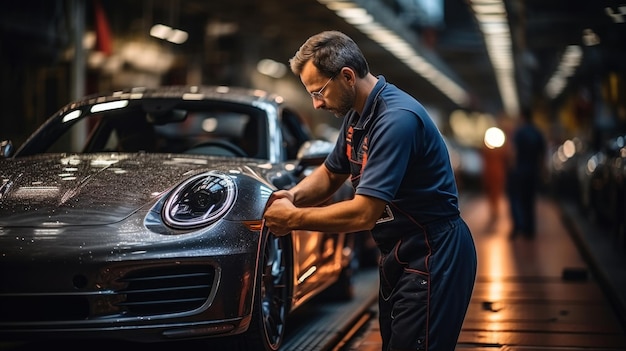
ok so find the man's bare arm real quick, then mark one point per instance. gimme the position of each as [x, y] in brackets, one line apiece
[316, 188]
[357, 214]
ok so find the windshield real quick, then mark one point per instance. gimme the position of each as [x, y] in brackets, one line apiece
[216, 129]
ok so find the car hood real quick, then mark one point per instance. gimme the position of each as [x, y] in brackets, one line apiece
[64, 190]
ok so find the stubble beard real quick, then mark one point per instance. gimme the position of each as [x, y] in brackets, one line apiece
[345, 103]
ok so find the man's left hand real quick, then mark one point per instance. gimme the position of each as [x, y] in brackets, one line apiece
[277, 216]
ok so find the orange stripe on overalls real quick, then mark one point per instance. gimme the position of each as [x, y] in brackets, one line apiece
[365, 152]
[349, 142]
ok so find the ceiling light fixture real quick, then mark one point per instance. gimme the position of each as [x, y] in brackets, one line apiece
[359, 17]
[168, 33]
[569, 62]
[493, 22]
[616, 16]
[271, 68]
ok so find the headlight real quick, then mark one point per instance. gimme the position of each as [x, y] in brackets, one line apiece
[200, 200]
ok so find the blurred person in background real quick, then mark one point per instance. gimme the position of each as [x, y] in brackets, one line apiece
[525, 175]
[496, 159]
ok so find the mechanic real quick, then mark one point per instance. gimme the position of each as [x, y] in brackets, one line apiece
[405, 193]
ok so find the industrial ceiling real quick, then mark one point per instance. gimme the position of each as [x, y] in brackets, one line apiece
[446, 32]
[225, 38]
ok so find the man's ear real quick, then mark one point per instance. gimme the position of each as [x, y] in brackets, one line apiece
[348, 75]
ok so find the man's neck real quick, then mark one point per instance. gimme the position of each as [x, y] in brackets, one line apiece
[363, 89]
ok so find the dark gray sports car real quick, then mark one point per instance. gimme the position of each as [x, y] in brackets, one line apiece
[138, 216]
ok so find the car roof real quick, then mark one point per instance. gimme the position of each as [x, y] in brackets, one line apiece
[192, 92]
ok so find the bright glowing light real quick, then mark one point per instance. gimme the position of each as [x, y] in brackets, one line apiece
[271, 68]
[494, 138]
[569, 148]
[193, 96]
[178, 36]
[106, 106]
[168, 33]
[160, 31]
[493, 23]
[365, 21]
[592, 164]
[560, 154]
[569, 62]
[209, 125]
[71, 116]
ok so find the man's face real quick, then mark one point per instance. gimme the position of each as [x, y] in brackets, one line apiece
[331, 94]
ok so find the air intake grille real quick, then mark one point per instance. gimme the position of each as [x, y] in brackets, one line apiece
[166, 290]
[147, 292]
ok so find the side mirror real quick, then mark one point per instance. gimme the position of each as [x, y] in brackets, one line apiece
[311, 154]
[6, 148]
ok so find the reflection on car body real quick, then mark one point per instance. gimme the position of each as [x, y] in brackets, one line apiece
[149, 228]
[593, 177]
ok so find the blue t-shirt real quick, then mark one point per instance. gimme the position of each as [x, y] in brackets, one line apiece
[399, 155]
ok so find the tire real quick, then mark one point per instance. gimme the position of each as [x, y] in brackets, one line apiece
[271, 300]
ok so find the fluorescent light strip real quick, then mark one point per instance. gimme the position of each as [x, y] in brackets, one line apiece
[400, 48]
[492, 20]
[106, 106]
[569, 62]
[168, 33]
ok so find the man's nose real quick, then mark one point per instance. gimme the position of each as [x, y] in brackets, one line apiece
[317, 104]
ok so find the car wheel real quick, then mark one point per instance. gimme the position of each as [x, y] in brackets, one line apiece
[270, 309]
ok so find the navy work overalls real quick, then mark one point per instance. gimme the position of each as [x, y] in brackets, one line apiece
[425, 270]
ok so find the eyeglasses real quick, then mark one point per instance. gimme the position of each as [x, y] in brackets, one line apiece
[317, 95]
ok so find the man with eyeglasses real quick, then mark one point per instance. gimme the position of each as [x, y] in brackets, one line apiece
[405, 193]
